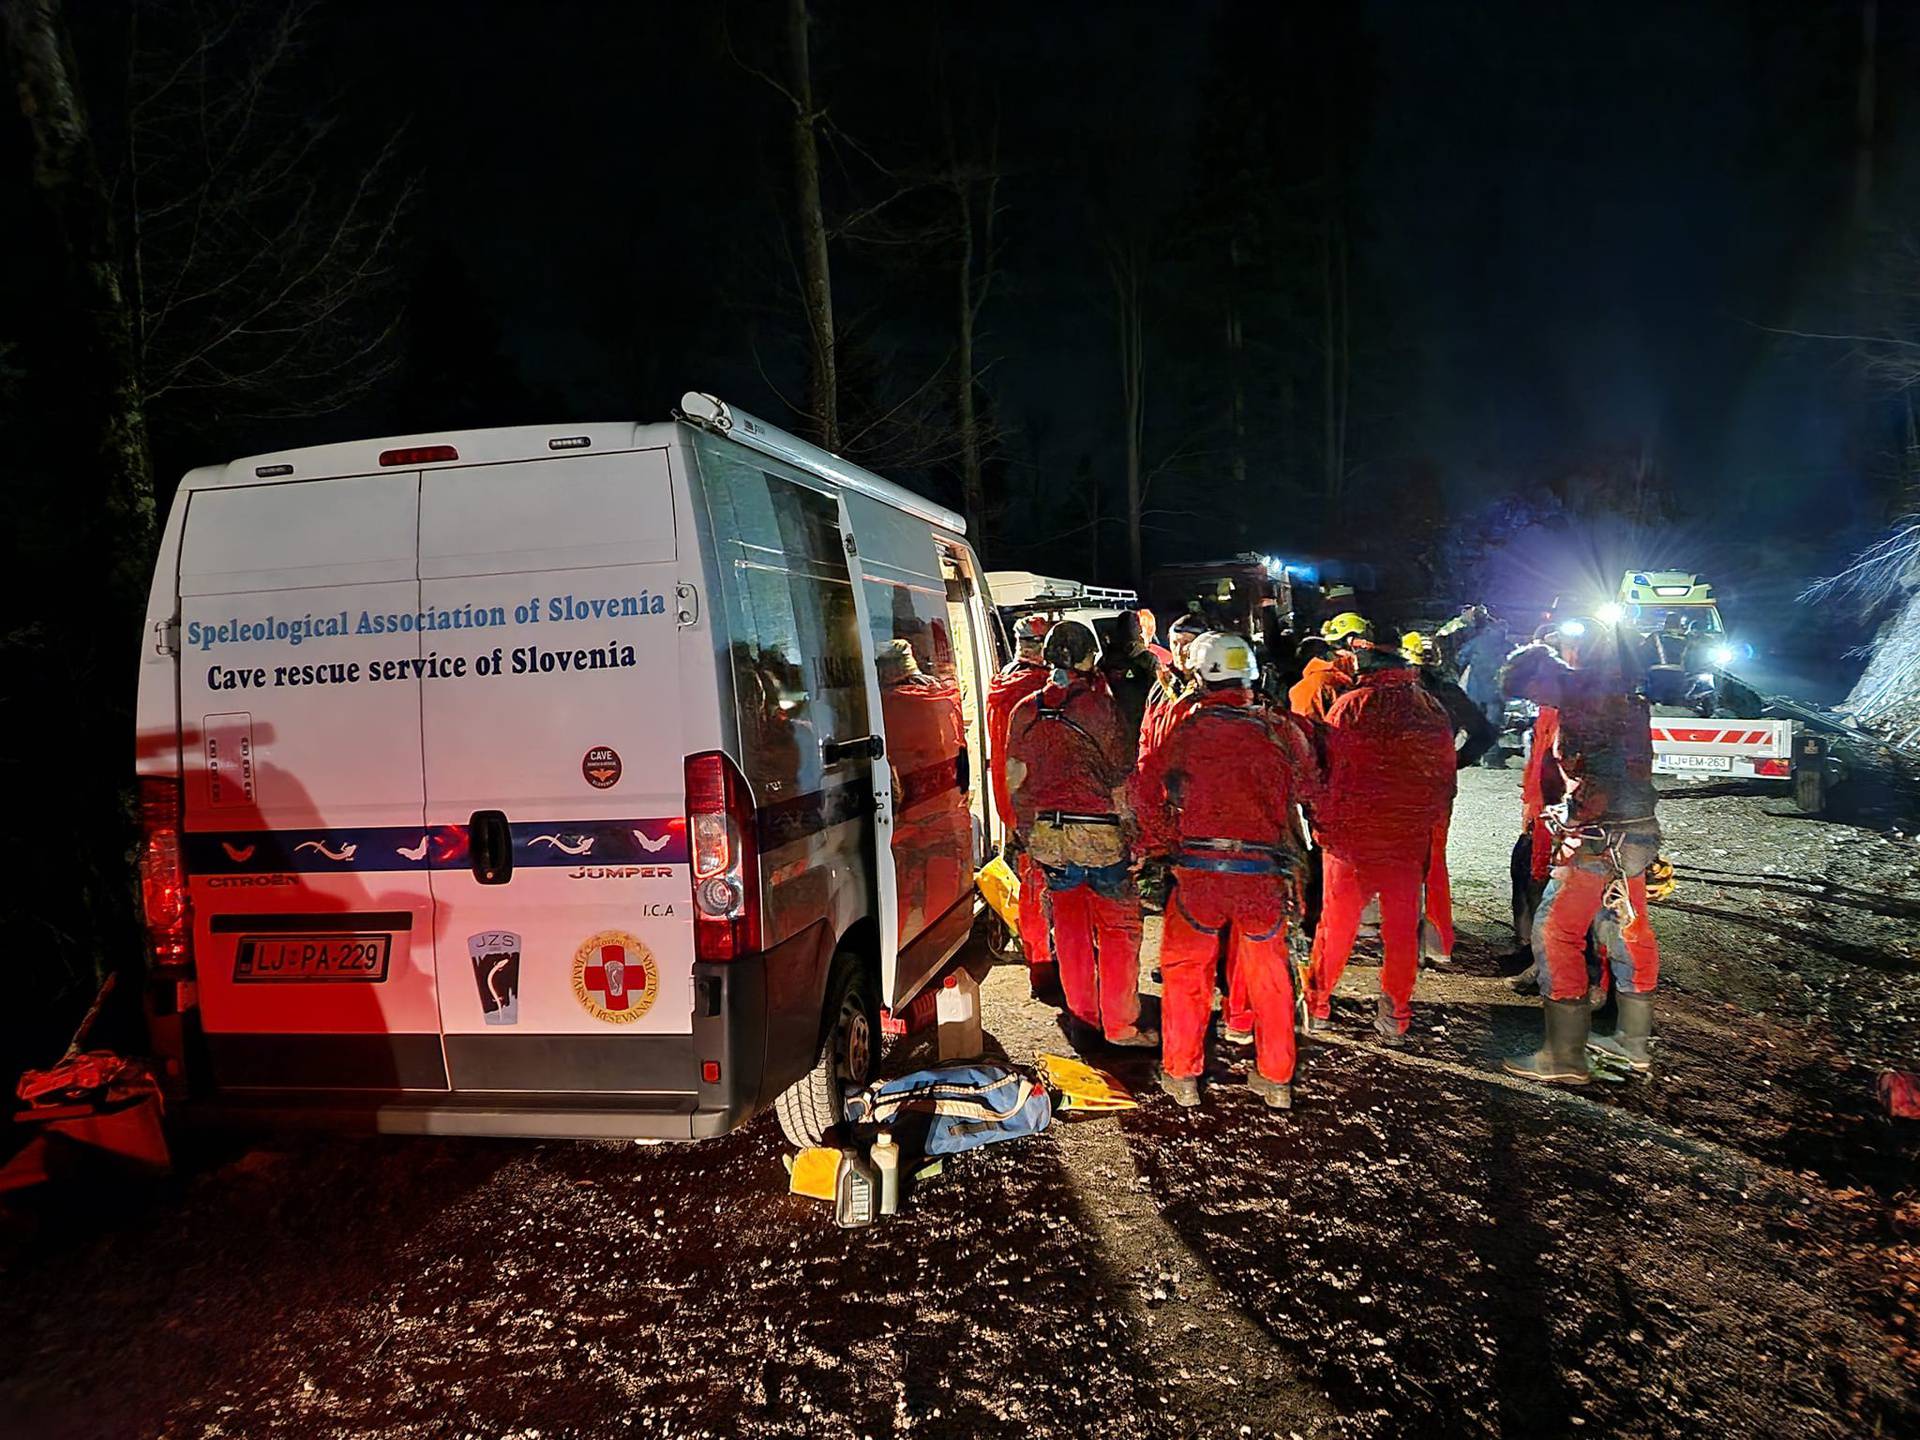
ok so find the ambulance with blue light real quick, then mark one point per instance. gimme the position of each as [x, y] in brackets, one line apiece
[597, 780]
[1692, 733]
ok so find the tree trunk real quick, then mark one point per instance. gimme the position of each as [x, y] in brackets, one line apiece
[1329, 426]
[67, 175]
[1236, 370]
[1863, 116]
[1127, 306]
[823, 384]
[972, 488]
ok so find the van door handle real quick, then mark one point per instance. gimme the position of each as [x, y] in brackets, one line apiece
[866, 747]
[490, 847]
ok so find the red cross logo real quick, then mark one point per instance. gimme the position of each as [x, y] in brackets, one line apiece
[615, 977]
[609, 977]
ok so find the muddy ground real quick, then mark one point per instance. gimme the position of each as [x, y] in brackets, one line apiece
[1420, 1249]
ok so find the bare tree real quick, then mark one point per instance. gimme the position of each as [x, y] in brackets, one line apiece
[212, 270]
[974, 189]
[253, 274]
[67, 175]
[1126, 272]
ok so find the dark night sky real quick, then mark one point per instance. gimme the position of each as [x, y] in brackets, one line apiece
[1572, 219]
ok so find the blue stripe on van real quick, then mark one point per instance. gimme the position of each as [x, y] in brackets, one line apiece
[371, 850]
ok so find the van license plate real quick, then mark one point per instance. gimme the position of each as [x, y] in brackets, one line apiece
[309, 958]
[1675, 763]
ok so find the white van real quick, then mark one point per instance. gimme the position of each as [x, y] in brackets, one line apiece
[597, 781]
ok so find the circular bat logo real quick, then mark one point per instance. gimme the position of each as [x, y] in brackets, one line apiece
[601, 767]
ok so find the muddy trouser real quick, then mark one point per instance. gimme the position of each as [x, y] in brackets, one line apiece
[1095, 911]
[1574, 900]
[1348, 888]
[1035, 943]
[1247, 915]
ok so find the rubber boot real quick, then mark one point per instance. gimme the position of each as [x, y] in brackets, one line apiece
[1632, 1039]
[1277, 1093]
[1043, 983]
[1184, 1089]
[1527, 982]
[1135, 1037]
[1562, 1060]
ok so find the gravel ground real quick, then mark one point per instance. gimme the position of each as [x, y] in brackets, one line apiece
[1421, 1248]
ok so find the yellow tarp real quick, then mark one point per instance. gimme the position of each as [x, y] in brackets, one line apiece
[1082, 1087]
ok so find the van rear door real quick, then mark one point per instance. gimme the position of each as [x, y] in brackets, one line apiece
[304, 827]
[554, 760]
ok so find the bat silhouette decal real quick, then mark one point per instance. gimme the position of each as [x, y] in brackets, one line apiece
[417, 852]
[649, 844]
[239, 854]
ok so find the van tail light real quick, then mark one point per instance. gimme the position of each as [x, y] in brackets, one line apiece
[163, 878]
[1772, 769]
[724, 850]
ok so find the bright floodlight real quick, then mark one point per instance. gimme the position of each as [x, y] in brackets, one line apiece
[1572, 627]
[1612, 613]
[1722, 654]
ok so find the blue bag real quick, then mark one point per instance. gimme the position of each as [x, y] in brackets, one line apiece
[966, 1105]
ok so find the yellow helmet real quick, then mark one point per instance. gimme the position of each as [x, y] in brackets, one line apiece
[1417, 648]
[1661, 881]
[1343, 625]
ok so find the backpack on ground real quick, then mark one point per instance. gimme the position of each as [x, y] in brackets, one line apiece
[964, 1106]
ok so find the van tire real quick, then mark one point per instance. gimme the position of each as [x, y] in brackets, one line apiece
[811, 1108]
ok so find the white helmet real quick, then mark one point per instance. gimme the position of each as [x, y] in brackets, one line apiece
[1220, 658]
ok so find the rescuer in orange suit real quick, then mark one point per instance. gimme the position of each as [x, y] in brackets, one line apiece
[1390, 781]
[1216, 797]
[1025, 674]
[1175, 690]
[1069, 757]
[1605, 837]
[1328, 669]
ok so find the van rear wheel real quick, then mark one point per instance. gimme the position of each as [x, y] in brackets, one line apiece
[812, 1107]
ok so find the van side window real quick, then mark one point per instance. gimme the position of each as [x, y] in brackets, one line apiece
[795, 652]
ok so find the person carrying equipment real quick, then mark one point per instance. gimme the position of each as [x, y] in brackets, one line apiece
[1069, 756]
[1606, 837]
[1216, 797]
[1023, 675]
[1390, 781]
[1472, 737]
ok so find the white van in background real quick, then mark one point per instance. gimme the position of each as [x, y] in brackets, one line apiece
[596, 781]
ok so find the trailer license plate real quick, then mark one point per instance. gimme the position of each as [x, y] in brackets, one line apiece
[1723, 763]
[310, 958]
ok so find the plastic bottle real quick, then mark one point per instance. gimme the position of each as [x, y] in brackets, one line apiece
[856, 1191]
[886, 1160]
